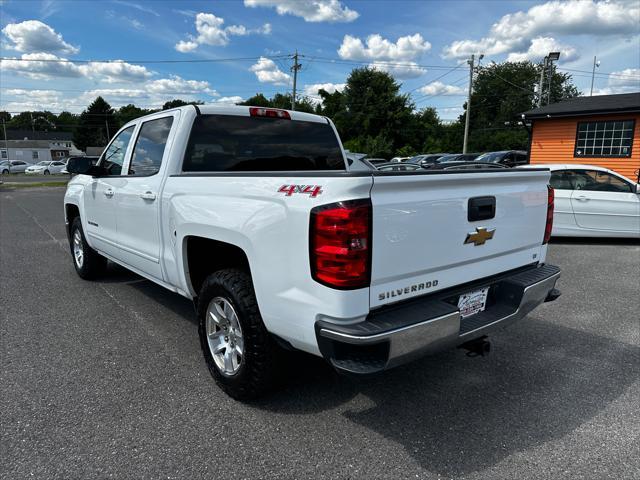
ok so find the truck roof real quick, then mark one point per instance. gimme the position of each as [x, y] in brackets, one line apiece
[243, 111]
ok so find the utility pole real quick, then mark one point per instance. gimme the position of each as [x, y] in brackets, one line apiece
[471, 62]
[6, 143]
[593, 73]
[294, 69]
[106, 123]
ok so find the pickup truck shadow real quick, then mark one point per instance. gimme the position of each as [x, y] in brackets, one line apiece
[456, 415]
[453, 414]
[594, 241]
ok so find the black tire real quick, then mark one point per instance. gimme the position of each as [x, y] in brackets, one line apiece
[93, 264]
[5, 172]
[256, 373]
[47, 172]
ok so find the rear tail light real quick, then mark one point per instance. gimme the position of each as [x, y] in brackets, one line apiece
[340, 244]
[549, 225]
[269, 112]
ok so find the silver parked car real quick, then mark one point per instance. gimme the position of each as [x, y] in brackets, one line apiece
[14, 166]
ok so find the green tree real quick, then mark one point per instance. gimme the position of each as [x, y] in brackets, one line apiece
[5, 116]
[501, 92]
[372, 112]
[96, 125]
[130, 112]
[180, 103]
[66, 122]
[279, 100]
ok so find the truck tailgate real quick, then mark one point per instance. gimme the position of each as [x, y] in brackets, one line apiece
[420, 225]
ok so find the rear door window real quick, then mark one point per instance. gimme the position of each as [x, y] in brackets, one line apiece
[149, 148]
[227, 143]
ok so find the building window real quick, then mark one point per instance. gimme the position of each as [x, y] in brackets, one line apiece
[3, 154]
[604, 139]
[35, 155]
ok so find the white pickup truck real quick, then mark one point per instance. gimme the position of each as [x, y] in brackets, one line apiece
[257, 216]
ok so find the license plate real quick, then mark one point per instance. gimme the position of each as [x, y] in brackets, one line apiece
[473, 302]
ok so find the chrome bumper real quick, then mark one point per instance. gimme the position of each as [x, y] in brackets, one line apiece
[402, 332]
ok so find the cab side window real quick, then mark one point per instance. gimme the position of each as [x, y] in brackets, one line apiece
[113, 157]
[560, 181]
[149, 148]
[596, 181]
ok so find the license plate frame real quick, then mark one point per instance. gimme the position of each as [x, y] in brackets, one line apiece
[473, 302]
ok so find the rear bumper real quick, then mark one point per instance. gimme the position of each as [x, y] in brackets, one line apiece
[399, 333]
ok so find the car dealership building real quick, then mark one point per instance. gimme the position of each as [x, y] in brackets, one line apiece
[602, 130]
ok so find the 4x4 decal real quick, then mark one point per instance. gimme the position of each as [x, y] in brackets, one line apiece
[311, 190]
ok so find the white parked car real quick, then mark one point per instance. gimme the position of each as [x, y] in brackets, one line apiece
[593, 201]
[14, 166]
[45, 168]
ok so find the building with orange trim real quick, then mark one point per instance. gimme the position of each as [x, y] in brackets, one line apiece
[603, 130]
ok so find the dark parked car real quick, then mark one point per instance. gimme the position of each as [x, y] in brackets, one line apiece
[458, 157]
[509, 158]
[425, 160]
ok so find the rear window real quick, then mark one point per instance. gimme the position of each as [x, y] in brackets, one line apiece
[227, 143]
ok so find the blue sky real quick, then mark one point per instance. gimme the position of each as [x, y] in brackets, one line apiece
[424, 44]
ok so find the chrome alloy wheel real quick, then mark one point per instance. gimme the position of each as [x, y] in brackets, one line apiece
[78, 249]
[224, 336]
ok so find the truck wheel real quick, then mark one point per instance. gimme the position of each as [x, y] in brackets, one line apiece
[89, 264]
[240, 353]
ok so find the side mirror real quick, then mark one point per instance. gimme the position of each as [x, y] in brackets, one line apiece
[83, 166]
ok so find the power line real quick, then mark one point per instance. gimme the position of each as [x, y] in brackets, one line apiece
[192, 60]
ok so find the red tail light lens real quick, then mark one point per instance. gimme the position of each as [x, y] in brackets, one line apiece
[340, 244]
[549, 226]
[269, 112]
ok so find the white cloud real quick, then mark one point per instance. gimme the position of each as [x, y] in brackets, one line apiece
[439, 88]
[229, 100]
[328, 87]
[35, 36]
[268, 72]
[311, 91]
[622, 81]
[41, 66]
[185, 46]
[311, 10]
[382, 52]
[176, 85]
[514, 32]
[116, 71]
[211, 31]
[540, 47]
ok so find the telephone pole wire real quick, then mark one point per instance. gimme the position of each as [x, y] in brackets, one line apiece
[294, 69]
[471, 63]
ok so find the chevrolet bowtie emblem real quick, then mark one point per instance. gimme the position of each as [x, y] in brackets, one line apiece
[480, 236]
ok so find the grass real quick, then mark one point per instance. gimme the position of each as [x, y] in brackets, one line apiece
[33, 184]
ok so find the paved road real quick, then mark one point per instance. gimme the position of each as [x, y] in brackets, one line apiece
[106, 379]
[18, 178]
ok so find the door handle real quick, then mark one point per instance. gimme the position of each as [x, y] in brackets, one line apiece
[582, 198]
[148, 196]
[109, 193]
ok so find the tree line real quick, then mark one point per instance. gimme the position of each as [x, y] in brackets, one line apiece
[371, 114]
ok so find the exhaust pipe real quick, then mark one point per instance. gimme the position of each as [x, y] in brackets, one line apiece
[480, 347]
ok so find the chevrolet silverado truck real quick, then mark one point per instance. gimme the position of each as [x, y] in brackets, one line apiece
[257, 215]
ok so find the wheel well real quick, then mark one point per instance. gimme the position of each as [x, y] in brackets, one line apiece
[206, 256]
[72, 212]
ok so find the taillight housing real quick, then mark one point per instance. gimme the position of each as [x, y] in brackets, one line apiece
[269, 113]
[340, 244]
[550, 204]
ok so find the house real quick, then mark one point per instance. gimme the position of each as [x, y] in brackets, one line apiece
[603, 130]
[34, 146]
[30, 151]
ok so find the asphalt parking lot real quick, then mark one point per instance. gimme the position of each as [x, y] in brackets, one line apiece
[106, 380]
